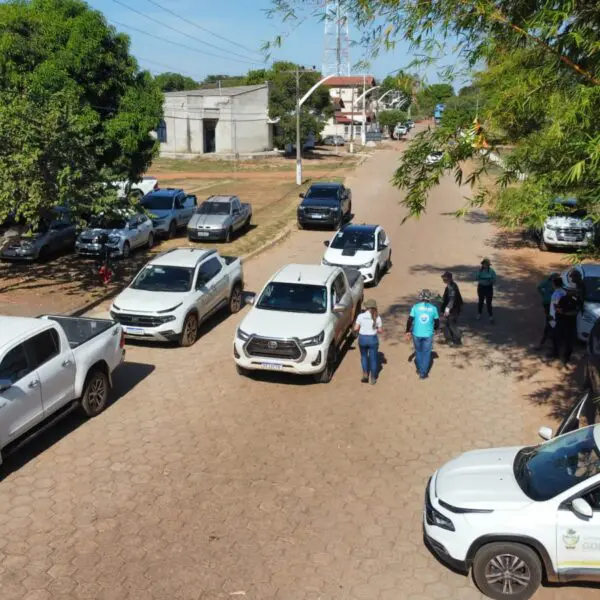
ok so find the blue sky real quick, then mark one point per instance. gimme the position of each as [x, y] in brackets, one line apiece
[241, 21]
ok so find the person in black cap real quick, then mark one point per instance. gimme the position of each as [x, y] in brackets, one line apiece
[451, 306]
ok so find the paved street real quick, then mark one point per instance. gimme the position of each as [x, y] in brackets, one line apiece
[198, 484]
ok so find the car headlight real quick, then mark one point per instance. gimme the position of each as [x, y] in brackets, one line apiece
[550, 227]
[325, 263]
[440, 520]
[315, 340]
[367, 265]
[113, 239]
[242, 335]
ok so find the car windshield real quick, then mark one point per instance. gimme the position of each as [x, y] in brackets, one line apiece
[158, 278]
[158, 202]
[294, 297]
[103, 222]
[549, 469]
[592, 289]
[213, 208]
[322, 193]
[354, 240]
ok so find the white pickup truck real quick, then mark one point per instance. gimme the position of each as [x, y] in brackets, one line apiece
[50, 365]
[175, 292]
[299, 321]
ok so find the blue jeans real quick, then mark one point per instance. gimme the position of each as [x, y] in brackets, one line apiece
[423, 348]
[369, 359]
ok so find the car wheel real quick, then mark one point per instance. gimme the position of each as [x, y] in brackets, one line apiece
[228, 235]
[326, 374]
[172, 230]
[377, 277]
[300, 226]
[150, 241]
[507, 570]
[95, 394]
[235, 300]
[189, 334]
[542, 245]
[126, 250]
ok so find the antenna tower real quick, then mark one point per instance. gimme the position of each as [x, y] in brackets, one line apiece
[336, 57]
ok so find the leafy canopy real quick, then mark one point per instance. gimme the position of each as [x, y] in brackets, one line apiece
[175, 82]
[75, 110]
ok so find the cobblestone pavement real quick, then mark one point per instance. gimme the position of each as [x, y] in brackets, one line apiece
[198, 484]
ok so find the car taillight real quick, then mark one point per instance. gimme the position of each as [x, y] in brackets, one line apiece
[122, 342]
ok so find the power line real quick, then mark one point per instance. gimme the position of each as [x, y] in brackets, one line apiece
[203, 28]
[180, 32]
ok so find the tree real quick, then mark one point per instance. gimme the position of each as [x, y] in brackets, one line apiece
[223, 80]
[175, 82]
[282, 101]
[75, 111]
[390, 118]
[541, 83]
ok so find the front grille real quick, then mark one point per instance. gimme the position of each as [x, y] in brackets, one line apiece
[269, 348]
[139, 320]
[317, 211]
[571, 234]
[88, 240]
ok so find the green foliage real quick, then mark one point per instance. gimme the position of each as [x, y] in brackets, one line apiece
[282, 101]
[460, 112]
[75, 111]
[175, 82]
[390, 118]
[224, 80]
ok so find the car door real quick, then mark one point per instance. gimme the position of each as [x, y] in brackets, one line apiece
[145, 228]
[20, 395]
[55, 367]
[236, 212]
[340, 295]
[133, 231]
[383, 249]
[217, 283]
[206, 292]
[189, 206]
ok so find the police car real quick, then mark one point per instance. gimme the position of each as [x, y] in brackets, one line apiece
[518, 516]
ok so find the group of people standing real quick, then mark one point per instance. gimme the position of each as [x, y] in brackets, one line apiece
[423, 321]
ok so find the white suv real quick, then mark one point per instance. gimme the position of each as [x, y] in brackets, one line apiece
[175, 292]
[517, 516]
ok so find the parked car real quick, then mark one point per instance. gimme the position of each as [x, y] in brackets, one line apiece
[175, 292]
[170, 210]
[219, 218]
[410, 124]
[400, 130]
[365, 248]
[57, 232]
[126, 231]
[434, 158]
[139, 188]
[334, 140]
[591, 303]
[325, 204]
[572, 230]
[50, 365]
[299, 321]
[515, 516]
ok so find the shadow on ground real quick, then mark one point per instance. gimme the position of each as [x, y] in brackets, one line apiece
[125, 378]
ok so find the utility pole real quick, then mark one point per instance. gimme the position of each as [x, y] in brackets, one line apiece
[352, 123]
[363, 136]
[298, 146]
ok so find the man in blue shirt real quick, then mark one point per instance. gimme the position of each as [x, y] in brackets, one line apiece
[424, 319]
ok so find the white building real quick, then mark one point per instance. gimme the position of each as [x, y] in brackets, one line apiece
[232, 120]
[345, 91]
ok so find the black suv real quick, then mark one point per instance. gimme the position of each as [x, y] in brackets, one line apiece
[327, 204]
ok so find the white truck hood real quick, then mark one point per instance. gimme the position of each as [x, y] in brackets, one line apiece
[568, 222]
[142, 301]
[280, 324]
[347, 257]
[481, 479]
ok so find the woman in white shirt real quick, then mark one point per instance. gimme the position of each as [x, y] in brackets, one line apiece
[368, 326]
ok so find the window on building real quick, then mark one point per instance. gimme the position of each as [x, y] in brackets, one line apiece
[161, 132]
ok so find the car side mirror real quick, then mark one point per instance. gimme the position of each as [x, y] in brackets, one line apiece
[301, 195]
[250, 299]
[5, 384]
[326, 243]
[582, 508]
[545, 433]
[339, 308]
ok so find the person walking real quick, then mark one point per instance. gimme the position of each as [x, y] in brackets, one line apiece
[451, 306]
[546, 289]
[423, 321]
[486, 280]
[368, 326]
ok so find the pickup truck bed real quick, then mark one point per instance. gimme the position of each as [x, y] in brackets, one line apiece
[80, 330]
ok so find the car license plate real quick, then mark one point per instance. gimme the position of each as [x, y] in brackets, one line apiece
[134, 330]
[272, 366]
[203, 233]
[319, 216]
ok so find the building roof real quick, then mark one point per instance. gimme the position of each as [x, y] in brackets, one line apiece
[350, 81]
[224, 91]
[182, 257]
[15, 328]
[307, 274]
